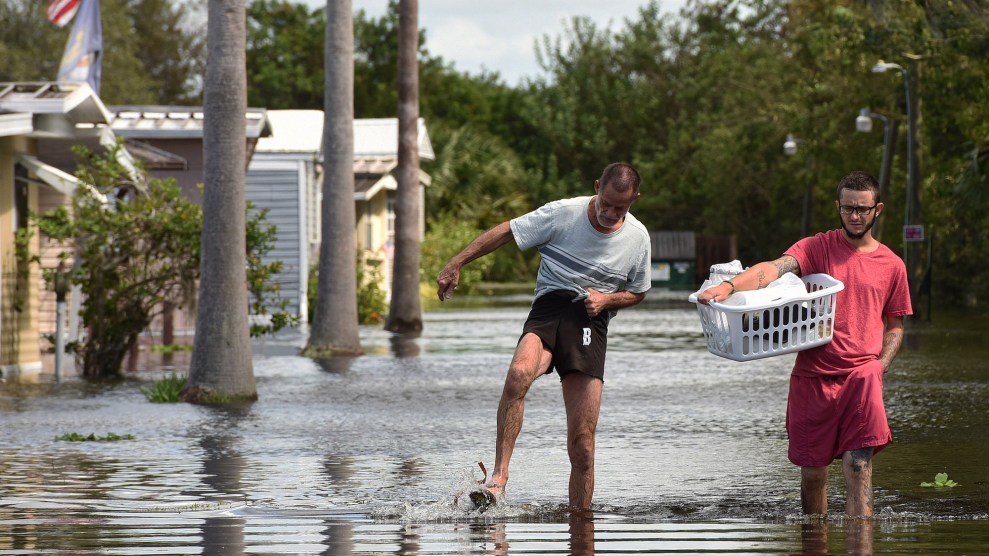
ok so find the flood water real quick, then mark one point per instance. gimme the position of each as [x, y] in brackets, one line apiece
[364, 455]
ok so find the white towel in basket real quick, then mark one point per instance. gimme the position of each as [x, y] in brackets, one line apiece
[788, 285]
[723, 271]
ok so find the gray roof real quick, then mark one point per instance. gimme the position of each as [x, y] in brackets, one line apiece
[176, 122]
[378, 137]
[301, 131]
[75, 100]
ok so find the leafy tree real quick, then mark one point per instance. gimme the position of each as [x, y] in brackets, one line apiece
[135, 249]
[171, 46]
[153, 49]
[285, 44]
[444, 240]
[221, 369]
[477, 182]
[702, 103]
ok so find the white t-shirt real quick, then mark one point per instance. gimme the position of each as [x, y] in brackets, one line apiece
[575, 256]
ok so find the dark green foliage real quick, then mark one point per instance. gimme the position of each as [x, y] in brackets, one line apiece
[285, 55]
[76, 437]
[445, 239]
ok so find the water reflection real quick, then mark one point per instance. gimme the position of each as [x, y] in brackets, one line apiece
[353, 456]
[486, 538]
[582, 534]
[405, 345]
[339, 538]
[336, 365]
[222, 471]
[858, 537]
[223, 535]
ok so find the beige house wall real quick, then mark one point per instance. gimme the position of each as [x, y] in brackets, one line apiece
[19, 303]
[48, 200]
[374, 245]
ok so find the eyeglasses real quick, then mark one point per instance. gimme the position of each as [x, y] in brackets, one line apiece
[861, 211]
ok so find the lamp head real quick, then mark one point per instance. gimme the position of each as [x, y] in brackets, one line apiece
[882, 66]
[790, 145]
[863, 122]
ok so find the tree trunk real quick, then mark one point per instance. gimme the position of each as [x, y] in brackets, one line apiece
[334, 326]
[405, 312]
[221, 369]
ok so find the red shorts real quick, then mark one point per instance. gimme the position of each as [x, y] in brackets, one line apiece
[827, 415]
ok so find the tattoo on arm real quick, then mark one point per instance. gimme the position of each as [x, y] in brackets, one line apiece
[762, 280]
[785, 264]
[891, 344]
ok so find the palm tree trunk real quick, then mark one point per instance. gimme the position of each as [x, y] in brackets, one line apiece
[405, 312]
[221, 369]
[334, 326]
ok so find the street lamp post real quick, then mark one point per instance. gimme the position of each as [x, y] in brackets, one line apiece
[912, 216]
[790, 149]
[863, 123]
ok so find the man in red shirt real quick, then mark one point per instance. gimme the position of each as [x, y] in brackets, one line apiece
[835, 408]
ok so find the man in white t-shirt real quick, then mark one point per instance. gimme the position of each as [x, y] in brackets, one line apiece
[595, 260]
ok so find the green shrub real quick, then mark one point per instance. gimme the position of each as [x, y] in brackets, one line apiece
[170, 348]
[371, 306]
[76, 437]
[445, 239]
[165, 390]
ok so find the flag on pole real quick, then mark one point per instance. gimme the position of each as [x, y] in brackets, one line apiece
[60, 12]
[84, 52]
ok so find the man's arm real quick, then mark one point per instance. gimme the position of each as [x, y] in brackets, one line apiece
[483, 244]
[892, 340]
[597, 302]
[756, 277]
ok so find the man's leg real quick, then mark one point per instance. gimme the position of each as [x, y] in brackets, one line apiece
[857, 467]
[531, 361]
[582, 396]
[814, 490]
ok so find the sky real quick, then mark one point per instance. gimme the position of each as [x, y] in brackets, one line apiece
[500, 35]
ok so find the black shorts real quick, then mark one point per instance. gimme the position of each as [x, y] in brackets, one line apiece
[578, 342]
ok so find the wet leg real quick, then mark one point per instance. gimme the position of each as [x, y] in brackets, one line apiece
[531, 361]
[582, 396]
[814, 490]
[857, 467]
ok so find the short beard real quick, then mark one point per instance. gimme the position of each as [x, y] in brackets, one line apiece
[859, 235]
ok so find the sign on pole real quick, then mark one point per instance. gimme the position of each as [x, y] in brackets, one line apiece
[913, 232]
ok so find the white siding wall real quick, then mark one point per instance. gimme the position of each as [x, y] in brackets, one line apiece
[275, 185]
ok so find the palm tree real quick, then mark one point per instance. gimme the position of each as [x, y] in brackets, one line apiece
[221, 368]
[334, 327]
[405, 312]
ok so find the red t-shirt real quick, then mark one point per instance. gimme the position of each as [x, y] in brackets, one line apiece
[875, 287]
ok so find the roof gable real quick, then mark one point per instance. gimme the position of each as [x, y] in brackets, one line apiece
[177, 122]
[75, 100]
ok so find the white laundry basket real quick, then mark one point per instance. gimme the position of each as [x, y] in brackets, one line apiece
[783, 325]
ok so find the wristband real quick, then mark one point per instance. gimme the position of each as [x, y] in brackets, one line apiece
[730, 283]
